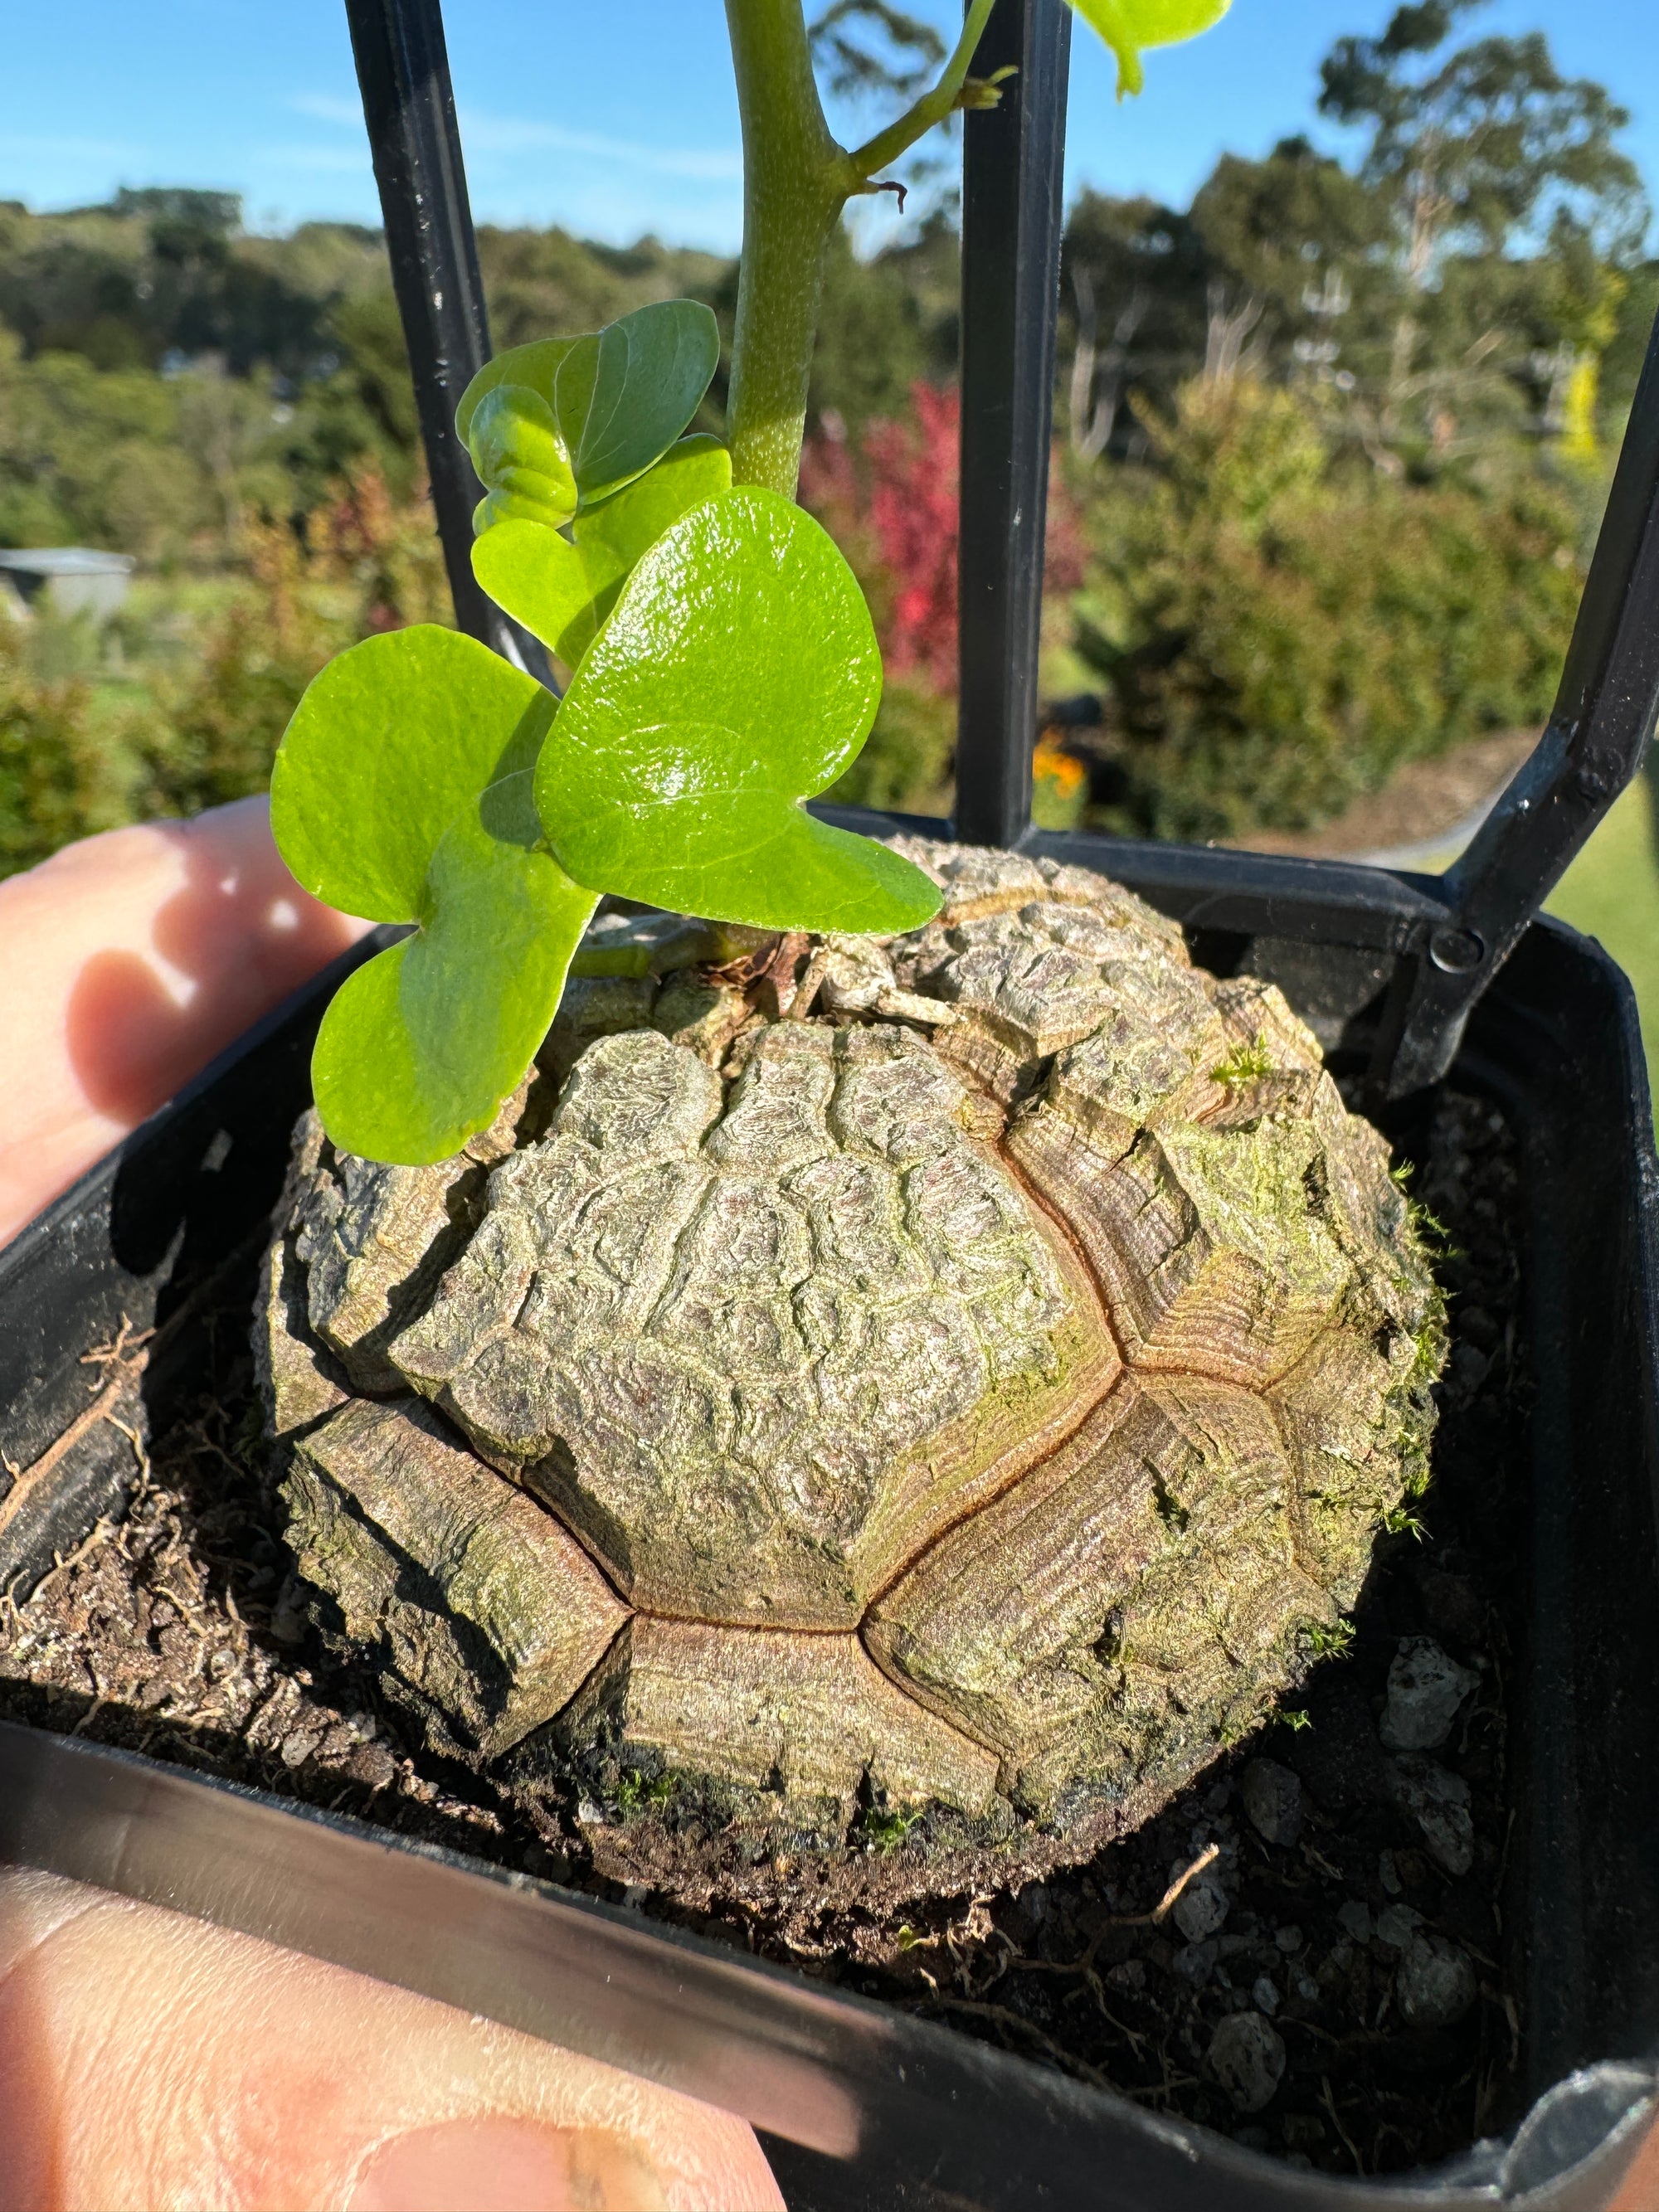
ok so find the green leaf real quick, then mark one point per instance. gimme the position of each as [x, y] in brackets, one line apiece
[561, 591]
[534, 366]
[401, 791]
[520, 459]
[1129, 27]
[390, 741]
[419, 1047]
[737, 675]
[622, 398]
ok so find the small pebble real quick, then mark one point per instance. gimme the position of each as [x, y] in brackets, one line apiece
[1396, 1925]
[1195, 1962]
[1246, 2058]
[1426, 1686]
[287, 1619]
[1288, 1938]
[372, 1764]
[1127, 1974]
[1202, 1906]
[1388, 1874]
[1306, 1988]
[1031, 1906]
[636, 1893]
[588, 1814]
[297, 1748]
[1356, 1919]
[1435, 1982]
[1274, 1800]
[1438, 1801]
[1265, 1991]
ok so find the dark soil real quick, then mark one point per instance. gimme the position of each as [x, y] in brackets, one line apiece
[177, 1631]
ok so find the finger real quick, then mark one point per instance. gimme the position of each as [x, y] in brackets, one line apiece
[130, 959]
[1639, 2190]
[149, 2061]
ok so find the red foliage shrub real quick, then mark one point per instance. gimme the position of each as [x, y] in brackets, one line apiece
[892, 506]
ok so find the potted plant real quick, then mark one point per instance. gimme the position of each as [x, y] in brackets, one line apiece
[498, 842]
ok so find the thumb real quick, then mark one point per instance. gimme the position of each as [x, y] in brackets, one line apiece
[151, 2062]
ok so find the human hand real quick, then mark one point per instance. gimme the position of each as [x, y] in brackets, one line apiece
[147, 2060]
[130, 959]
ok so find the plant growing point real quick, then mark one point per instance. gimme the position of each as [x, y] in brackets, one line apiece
[724, 667]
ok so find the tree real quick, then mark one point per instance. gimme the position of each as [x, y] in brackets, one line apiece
[1481, 154]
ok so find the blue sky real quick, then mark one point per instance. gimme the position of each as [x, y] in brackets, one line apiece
[257, 96]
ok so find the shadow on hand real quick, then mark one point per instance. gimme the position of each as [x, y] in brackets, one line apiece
[239, 935]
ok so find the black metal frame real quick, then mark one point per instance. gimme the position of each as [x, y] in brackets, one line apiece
[1444, 939]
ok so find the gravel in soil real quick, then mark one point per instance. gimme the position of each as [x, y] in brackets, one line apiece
[1305, 1949]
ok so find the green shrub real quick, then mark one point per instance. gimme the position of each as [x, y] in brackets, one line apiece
[1276, 640]
[190, 713]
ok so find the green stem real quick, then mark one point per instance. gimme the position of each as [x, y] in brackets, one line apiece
[932, 107]
[796, 180]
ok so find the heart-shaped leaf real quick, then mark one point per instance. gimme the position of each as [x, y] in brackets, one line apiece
[403, 792]
[419, 1047]
[562, 590]
[622, 398]
[520, 459]
[1129, 27]
[737, 674]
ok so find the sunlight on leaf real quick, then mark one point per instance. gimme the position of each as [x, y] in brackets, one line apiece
[520, 459]
[403, 792]
[622, 398]
[1129, 26]
[737, 675]
[419, 1046]
[534, 366]
[562, 590]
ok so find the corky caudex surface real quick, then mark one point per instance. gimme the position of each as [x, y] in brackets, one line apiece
[938, 1388]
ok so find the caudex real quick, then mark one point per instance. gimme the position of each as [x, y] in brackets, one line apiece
[723, 666]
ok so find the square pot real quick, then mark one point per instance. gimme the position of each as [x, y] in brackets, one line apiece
[864, 2105]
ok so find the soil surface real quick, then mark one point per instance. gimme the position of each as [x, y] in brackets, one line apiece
[1305, 1949]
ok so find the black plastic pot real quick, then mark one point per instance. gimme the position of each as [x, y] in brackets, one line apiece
[934, 2119]
[1412, 978]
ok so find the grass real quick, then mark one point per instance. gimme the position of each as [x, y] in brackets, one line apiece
[1612, 892]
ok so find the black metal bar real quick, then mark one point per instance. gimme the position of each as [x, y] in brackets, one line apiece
[1603, 718]
[1013, 163]
[403, 68]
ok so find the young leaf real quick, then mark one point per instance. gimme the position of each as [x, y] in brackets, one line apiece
[401, 791]
[520, 459]
[420, 1045]
[1129, 27]
[534, 366]
[562, 590]
[622, 398]
[738, 674]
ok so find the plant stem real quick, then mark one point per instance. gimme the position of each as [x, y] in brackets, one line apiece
[932, 107]
[796, 180]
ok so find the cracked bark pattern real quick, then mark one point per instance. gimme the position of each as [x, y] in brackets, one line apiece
[949, 1374]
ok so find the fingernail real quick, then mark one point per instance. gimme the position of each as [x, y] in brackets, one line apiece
[492, 2165]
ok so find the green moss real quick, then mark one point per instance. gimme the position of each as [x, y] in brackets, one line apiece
[638, 1793]
[1245, 1063]
[1400, 1521]
[884, 1827]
